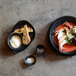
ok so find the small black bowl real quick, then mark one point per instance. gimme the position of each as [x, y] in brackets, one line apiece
[8, 41]
[40, 50]
[53, 27]
[30, 56]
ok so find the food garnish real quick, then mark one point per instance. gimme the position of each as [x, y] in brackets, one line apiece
[65, 34]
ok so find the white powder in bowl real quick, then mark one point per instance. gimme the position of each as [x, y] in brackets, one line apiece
[15, 41]
[30, 60]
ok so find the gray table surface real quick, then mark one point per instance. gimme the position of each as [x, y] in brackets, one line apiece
[40, 13]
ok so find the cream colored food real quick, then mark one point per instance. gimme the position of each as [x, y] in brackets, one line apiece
[15, 41]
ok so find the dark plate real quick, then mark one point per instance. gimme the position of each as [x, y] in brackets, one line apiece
[53, 27]
[20, 24]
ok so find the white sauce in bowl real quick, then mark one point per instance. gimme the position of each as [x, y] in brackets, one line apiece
[15, 41]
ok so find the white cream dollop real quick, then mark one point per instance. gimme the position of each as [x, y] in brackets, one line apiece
[15, 41]
[61, 33]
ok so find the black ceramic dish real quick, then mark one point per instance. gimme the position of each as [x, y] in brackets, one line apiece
[53, 27]
[20, 24]
[30, 56]
[40, 50]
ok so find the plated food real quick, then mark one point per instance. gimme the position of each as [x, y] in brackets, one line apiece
[15, 41]
[65, 37]
[25, 31]
[62, 35]
[20, 37]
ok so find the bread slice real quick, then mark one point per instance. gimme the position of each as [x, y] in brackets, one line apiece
[18, 31]
[25, 30]
[26, 37]
[29, 29]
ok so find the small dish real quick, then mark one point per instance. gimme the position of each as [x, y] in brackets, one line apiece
[53, 27]
[20, 25]
[30, 60]
[40, 50]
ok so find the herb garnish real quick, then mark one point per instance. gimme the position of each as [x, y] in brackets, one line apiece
[74, 26]
[68, 41]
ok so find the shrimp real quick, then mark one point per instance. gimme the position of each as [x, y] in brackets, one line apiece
[61, 30]
[62, 41]
[64, 35]
[69, 24]
[61, 35]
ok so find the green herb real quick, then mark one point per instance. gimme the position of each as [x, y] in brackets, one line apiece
[70, 41]
[71, 31]
[74, 26]
[67, 39]
[63, 30]
[67, 30]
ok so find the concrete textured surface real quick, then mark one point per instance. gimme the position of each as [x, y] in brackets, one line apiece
[40, 13]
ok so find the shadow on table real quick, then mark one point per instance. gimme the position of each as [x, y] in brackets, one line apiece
[23, 65]
[4, 50]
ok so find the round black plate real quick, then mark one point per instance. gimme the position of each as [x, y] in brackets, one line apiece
[53, 27]
[20, 24]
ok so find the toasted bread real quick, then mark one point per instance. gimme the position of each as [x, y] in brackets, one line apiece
[26, 37]
[20, 30]
[25, 30]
